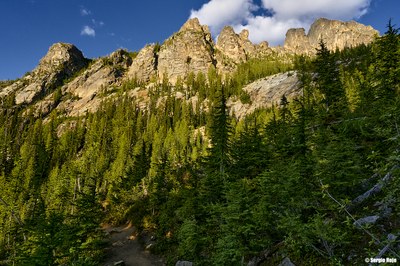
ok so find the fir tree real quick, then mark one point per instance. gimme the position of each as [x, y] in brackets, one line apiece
[328, 80]
[387, 58]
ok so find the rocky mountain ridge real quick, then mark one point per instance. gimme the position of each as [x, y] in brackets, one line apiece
[61, 62]
[336, 35]
[66, 80]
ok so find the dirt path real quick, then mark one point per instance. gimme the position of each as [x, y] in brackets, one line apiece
[126, 247]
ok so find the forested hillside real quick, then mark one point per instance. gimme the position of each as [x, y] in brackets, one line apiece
[315, 179]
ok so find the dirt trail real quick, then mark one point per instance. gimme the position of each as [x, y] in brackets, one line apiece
[126, 247]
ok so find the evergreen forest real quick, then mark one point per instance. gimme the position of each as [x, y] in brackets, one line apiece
[315, 178]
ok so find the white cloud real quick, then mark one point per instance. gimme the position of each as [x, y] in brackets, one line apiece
[218, 13]
[88, 31]
[286, 14]
[85, 11]
[305, 9]
[97, 23]
[269, 29]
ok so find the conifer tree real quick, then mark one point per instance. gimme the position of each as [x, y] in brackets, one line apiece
[328, 80]
[249, 153]
[219, 158]
[387, 57]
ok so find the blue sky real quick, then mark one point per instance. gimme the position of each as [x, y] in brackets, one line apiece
[99, 27]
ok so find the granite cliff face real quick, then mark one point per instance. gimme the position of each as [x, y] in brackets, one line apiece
[63, 56]
[79, 95]
[191, 49]
[61, 62]
[266, 92]
[144, 66]
[336, 35]
[233, 45]
[233, 49]
[66, 81]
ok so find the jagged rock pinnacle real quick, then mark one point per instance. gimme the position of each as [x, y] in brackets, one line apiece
[336, 34]
[192, 24]
[61, 62]
[189, 50]
[229, 43]
[62, 55]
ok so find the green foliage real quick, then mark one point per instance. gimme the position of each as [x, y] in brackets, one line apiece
[213, 190]
[5, 83]
[387, 60]
[328, 80]
[133, 54]
[245, 97]
[252, 70]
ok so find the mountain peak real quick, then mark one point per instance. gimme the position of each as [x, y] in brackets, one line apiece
[336, 34]
[61, 62]
[231, 45]
[244, 34]
[192, 24]
[191, 50]
[62, 55]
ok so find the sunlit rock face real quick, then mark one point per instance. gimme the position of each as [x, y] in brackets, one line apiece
[335, 34]
[144, 66]
[191, 49]
[61, 62]
[64, 80]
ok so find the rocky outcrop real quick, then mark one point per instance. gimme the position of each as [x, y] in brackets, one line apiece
[297, 41]
[189, 50]
[233, 49]
[286, 262]
[83, 93]
[119, 59]
[265, 93]
[60, 63]
[144, 66]
[62, 56]
[366, 220]
[336, 35]
[250, 49]
[183, 263]
[230, 45]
